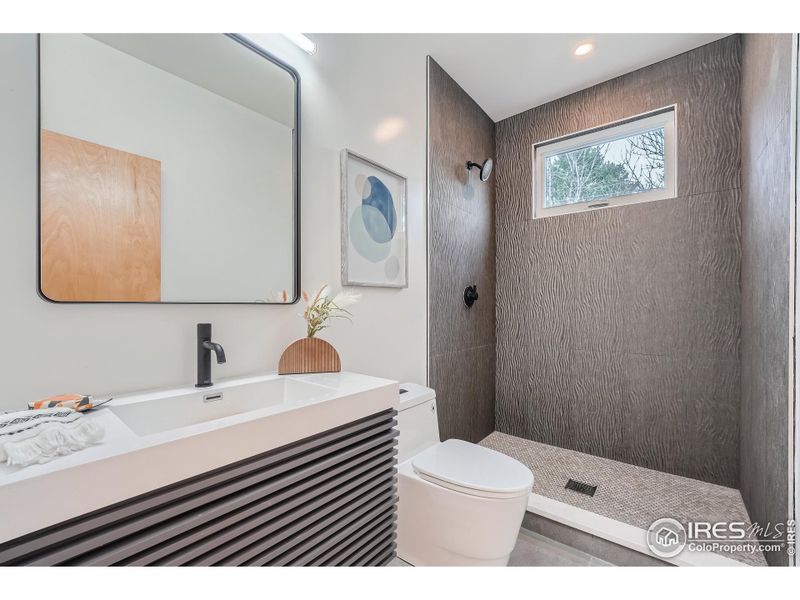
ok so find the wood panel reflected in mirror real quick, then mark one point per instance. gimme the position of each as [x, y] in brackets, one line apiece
[168, 170]
[101, 222]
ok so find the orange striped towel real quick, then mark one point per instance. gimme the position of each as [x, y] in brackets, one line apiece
[77, 402]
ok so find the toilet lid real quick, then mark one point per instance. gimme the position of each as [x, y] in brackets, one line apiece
[473, 469]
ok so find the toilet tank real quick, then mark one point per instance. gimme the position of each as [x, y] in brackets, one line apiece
[416, 420]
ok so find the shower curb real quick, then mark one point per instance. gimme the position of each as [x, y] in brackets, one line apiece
[618, 532]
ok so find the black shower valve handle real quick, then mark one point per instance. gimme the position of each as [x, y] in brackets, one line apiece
[470, 295]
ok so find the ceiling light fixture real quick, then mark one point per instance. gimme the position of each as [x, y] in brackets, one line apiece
[301, 41]
[584, 49]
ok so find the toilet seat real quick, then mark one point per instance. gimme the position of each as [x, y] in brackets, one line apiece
[473, 470]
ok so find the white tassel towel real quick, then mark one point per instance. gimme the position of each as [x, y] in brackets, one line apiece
[29, 437]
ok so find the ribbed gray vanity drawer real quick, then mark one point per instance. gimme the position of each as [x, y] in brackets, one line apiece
[326, 500]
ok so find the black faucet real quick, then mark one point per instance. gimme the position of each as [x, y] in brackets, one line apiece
[204, 348]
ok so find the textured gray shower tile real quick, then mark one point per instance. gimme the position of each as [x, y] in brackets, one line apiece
[513, 177]
[462, 248]
[537, 394]
[574, 286]
[654, 278]
[766, 87]
[522, 377]
[593, 270]
[598, 402]
[766, 208]
[710, 123]
[453, 184]
[714, 388]
[715, 274]
[584, 109]
[464, 382]
[657, 409]
[657, 278]
[654, 86]
[459, 132]
[462, 253]
[753, 466]
[547, 403]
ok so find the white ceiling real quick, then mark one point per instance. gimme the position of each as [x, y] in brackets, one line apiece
[504, 73]
[509, 73]
[216, 63]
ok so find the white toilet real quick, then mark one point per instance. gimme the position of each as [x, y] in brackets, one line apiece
[460, 504]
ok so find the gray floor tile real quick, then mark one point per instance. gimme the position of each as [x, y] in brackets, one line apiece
[534, 550]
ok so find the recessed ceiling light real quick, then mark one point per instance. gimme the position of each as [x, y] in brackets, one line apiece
[301, 41]
[584, 49]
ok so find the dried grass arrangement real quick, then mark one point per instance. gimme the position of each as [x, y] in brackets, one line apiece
[312, 354]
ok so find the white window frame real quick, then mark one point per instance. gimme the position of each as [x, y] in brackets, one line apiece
[663, 117]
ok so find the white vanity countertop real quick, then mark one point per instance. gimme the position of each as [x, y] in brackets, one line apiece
[124, 464]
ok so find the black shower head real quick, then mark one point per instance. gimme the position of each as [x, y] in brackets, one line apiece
[486, 168]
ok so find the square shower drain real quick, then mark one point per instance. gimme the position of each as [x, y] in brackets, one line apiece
[580, 487]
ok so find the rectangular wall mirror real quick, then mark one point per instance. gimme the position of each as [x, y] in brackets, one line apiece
[168, 170]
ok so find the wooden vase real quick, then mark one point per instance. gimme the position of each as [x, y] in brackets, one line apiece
[309, 355]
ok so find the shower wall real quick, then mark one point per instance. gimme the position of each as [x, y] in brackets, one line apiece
[766, 215]
[618, 330]
[461, 252]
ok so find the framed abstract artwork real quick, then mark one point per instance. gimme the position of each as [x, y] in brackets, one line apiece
[374, 237]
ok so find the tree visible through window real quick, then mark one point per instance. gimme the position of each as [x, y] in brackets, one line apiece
[618, 168]
[625, 163]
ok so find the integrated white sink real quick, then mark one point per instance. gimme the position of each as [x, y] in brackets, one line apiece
[156, 438]
[163, 411]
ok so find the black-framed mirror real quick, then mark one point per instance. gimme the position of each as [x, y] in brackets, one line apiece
[168, 170]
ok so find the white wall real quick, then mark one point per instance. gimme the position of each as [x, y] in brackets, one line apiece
[226, 171]
[349, 90]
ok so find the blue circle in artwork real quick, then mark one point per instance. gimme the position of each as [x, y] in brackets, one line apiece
[381, 225]
[365, 243]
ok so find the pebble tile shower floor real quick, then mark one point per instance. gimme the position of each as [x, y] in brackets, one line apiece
[626, 493]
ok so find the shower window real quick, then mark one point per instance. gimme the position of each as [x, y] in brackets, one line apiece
[622, 163]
